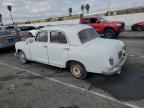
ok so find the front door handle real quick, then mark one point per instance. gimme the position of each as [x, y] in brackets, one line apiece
[67, 49]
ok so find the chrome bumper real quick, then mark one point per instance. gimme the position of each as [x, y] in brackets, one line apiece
[117, 69]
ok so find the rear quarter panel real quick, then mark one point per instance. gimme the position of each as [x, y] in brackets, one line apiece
[94, 61]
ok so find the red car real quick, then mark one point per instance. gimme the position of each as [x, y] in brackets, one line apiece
[110, 29]
[138, 26]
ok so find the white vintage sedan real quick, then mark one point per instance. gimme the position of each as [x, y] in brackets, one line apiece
[77, 47]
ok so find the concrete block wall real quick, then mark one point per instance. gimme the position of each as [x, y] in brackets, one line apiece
[129, 19]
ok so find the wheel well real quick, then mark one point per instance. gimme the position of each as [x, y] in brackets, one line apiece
[108, 28]
[18, 51]
[139, 26]
[72, 61]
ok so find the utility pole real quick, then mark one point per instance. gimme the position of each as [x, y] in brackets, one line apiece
[10, 9]
[1, 19]
[108, 6]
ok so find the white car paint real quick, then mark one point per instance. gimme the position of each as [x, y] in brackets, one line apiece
[94, 55]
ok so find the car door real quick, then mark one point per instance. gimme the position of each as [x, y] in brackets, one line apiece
[39, 48]
[58, 49]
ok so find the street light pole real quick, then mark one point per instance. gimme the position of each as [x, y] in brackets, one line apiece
[11, 18]
[108, 5]
[10, 9]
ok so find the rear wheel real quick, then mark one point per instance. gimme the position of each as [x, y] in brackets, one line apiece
[22, 57]
[78, 70]
[109, 33]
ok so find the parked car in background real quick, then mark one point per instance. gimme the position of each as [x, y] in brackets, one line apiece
[10, 28]
[110, 29]
[32, 33]
[6, 39]
[77, 47]
[138, 26]
[26, 28]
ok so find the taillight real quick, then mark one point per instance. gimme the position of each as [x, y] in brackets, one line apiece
[120, 55]
[111, 61]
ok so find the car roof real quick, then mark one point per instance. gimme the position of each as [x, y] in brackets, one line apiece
[70, 30]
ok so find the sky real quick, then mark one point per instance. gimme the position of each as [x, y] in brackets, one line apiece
[24, 10]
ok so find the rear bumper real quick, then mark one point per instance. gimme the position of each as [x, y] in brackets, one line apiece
[117, 69]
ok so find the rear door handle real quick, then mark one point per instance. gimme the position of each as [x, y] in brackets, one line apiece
[45, 46]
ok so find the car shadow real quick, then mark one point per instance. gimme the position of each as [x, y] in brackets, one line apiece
[7, 50]
[126, 86]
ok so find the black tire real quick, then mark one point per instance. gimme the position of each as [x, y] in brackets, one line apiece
[30, 35]
[78, 70]
[138, 28]
[22, 57]
[109, 33]
[117, 35]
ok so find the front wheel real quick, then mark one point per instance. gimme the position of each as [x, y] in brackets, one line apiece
[22, 57]
[109, 33]
[78, 70]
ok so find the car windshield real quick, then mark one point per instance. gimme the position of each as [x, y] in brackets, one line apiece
[39, 27]
[3, 33]
[87, 35]
[103, 19]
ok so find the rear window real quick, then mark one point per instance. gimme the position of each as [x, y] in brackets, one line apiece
[3, 33]
[87, 35]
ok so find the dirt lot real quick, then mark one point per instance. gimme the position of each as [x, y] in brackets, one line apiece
[36, 85]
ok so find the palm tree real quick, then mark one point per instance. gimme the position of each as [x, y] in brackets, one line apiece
[70, 11]
[10, 9]
[82, 8]
[87, 8]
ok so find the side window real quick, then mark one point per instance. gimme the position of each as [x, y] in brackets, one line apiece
[57, 37]
[86, 21]
[42, 37]
[93, 20]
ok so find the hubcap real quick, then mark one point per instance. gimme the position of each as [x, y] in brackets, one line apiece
[76, 70]
[109, 35]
